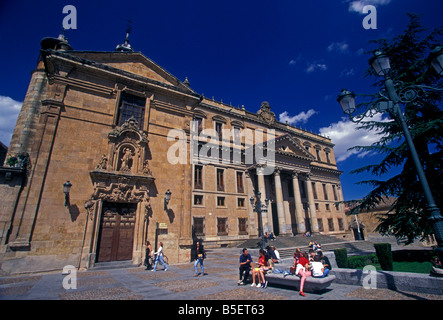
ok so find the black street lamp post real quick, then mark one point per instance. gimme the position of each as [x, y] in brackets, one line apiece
[380, 63]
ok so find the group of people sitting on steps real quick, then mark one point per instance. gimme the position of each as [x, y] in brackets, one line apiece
[309, 264]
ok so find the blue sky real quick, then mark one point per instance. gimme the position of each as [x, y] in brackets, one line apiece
[297, 55]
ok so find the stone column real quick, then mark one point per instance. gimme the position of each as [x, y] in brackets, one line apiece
[314, 222]
[341, 206]
[280, 206]
[299, 212]
[267, 222]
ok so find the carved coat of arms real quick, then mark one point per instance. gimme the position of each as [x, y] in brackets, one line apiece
[266, 114]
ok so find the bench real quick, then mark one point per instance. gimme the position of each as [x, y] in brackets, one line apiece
[311, 284]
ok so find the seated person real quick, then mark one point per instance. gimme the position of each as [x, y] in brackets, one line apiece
[318, 269]
[271, 257]
[245, 266]
[311, 255]
[277, 254]
[260, 271]
[272, 237]
[325, 260]
[302, 270]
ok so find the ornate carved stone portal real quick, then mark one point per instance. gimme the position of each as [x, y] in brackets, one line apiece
[123, 175]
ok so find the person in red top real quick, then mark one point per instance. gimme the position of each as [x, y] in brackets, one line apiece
[303, 271]
[260, 271]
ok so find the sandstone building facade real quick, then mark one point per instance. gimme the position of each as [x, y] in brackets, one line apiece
[123, 131]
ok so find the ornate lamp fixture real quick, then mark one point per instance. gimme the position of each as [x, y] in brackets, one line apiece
[167, 198]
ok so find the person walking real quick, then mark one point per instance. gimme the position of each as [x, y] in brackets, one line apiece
[148, 258]
[159, 257]
[198, 254]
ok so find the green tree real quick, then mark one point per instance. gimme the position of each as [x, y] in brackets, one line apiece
[407, 219]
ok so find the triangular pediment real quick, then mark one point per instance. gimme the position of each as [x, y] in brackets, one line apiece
[286, 145]
[135, 63]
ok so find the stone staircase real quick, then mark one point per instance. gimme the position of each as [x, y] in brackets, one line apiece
[286, 244]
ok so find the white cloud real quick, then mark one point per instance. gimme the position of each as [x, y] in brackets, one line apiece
[293, 62]
[9, 110]
[344, 134]
[315, 66]
[347, 72]
[357, 6]
[341, 47]
[301, 117]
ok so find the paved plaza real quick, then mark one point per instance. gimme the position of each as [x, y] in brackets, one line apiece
[178, 283]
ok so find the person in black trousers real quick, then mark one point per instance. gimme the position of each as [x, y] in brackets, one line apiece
[198, 254]
[148, 259]
[245, 267]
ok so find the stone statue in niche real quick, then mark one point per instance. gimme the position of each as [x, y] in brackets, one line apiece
[102, 163]
[146, 169]
[126, 159]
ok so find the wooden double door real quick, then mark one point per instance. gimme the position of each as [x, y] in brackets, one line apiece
[116, 236]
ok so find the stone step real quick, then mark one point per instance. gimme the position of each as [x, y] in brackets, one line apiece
[113, 265]
[351, 246]
[292, 241]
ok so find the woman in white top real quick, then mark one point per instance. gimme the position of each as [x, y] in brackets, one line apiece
[159, 257]
[318, 269]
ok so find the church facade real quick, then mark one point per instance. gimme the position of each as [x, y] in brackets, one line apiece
[149, 159]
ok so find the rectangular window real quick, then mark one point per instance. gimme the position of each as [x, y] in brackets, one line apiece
[320, 225]
[199, 124]
[198, 177]
[222, 226]
[330, 224]
[218, 129]
[328, 207]
[318, 154]
[220, 180]
[241, 202]
[240, 188]
[199, 226]
[340, 224]
[198, 199]
[328, 157]
[220, 201]
[314, 190]
[325, 192]
[334, 191]
[131, 106]
[237, 136]
[242, 226]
